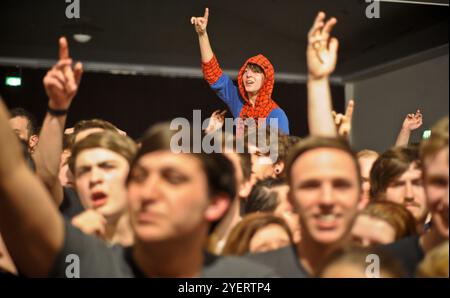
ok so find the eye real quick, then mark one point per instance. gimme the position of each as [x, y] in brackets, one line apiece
[438, 182]
[174, 177]
[417, 182]
[397, 184]
[81, 171]
[342, 184]
[107, 165]
[309, 185]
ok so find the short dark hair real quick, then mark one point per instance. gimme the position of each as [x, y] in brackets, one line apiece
[92, 123]
[263, 197]
[255, 68]
[390, 166]
[122, 145]
[218, 168]
[262, 136]
[313, 142]
[21, 112]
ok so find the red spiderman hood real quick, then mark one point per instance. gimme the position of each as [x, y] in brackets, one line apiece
[266, 90]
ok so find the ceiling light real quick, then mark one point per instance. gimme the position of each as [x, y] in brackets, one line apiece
[83, 38]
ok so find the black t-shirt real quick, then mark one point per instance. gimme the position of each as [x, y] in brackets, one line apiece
[408, 251]
[70, 205]
[284, 261]
[96, 259]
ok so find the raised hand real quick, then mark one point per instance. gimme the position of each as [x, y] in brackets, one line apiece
[216, 121]
[344, 122]
[62, 81]
[201, 23]
[90, 222]
[413, 121]
[321, 53]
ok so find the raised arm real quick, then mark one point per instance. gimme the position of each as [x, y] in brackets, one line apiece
[30, 224]
[200, 24]
[61, 85]
[411, 122]
[343, 122]
[321, 56]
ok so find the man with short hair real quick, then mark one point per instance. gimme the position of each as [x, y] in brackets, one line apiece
[434, 155]
[396, 176]
[325, 189]
[23, 124]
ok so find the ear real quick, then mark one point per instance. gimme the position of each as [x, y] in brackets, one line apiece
[245, 189]
[217, 208]
[33, 141]
[278, 168]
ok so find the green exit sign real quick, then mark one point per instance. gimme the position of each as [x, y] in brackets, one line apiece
[13, 81]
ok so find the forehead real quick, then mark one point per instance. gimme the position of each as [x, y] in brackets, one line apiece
[369, 223]
[98, 155]
[270, 231]
[166, 159]
[324, 162]
[413, 172]
[437, 164]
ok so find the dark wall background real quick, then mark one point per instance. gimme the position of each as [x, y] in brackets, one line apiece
[133, 103]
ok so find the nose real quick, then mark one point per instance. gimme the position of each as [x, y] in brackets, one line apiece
[149, 190]
[409, 193]
[96, 176]
[326, 195]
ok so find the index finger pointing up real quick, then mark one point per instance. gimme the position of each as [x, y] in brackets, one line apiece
[349, 111]
[63, 49]
[206, 13]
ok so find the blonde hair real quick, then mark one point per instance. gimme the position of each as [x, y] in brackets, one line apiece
[435, 263]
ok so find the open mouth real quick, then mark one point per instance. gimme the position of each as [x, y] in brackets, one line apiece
[98, 199]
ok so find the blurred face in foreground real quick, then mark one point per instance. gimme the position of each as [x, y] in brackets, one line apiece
[169, 197]
[325, 191]
[436, 188]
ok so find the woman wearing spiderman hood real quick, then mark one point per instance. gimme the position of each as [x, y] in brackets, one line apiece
[253, 96]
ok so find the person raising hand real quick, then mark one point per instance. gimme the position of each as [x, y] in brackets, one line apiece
[252, 98]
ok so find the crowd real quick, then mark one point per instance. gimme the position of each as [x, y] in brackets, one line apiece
[135, 208]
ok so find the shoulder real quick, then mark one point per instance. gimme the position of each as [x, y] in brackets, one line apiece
[235, 267]
[284, 261]
[87, 256]
[408, 251]
[283, 122]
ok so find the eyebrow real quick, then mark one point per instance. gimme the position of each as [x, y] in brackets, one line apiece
[97, 163]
